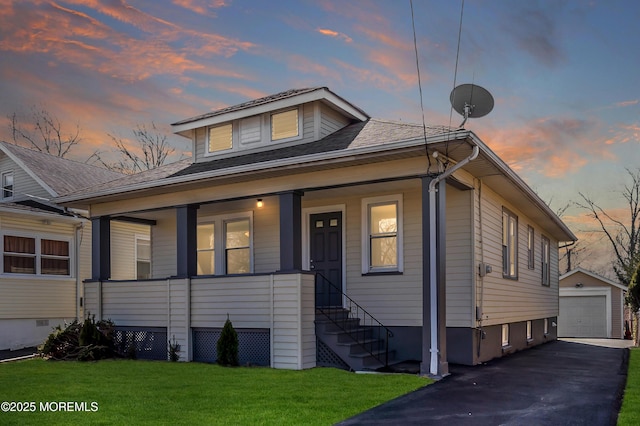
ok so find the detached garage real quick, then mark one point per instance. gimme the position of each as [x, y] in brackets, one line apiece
[590, 306]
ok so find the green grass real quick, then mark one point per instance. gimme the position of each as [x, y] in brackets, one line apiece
[148, 392]
[630, 410]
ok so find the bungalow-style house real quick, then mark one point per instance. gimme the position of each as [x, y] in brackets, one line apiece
[46, 248]
[590, 306]
[332, 238]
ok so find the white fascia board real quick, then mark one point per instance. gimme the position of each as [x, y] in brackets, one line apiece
[292, 101]
[24, 167]
[593, 275]
[522, 185]
[42, 215]
[249, 168]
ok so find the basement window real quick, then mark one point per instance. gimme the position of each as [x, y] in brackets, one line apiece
[505, 335]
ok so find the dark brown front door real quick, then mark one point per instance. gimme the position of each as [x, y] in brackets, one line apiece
[326, 257]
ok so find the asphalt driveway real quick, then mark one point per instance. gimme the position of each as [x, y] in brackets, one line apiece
[558, 383]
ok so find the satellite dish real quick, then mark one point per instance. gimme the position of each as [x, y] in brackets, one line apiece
[471, 101]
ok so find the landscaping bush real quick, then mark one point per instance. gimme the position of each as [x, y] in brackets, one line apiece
[228, 345]
[87, 342]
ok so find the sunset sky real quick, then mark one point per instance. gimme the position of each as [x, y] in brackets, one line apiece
[565, 75]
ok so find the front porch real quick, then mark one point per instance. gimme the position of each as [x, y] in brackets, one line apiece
[257, 263]
[273, 314]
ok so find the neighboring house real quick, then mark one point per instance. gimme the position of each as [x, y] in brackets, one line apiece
[46, 249]
[590, 306]
[292, 195]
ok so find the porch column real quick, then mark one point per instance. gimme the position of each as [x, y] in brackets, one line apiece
[441, 244]
[186, 240]
[100, 248]
[440, 299]
[290, 231]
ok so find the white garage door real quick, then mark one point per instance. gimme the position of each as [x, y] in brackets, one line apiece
[582, 316]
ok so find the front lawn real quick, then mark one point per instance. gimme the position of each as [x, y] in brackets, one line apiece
[630, 410]
[139, 392]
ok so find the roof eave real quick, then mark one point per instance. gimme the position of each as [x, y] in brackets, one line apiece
[527, 191]
[183, 128]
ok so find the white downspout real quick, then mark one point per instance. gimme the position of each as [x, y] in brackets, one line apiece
[433, 287]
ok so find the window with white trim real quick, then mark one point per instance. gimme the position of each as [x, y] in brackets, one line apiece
[220, 138]
[382, 234]
[206, 255]
[35, 255]
[227, 252]
[509, 245]
[7, 185]
[143, 257]
[546, 261]
[505, 335]
[531, 261]
[285, 125]
[237, 250]
[529, 330]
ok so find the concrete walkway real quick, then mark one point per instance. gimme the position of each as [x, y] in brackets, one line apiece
[576, 382]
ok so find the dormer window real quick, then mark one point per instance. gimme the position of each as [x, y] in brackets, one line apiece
[7, 185]
[284, 125]
[220, 138]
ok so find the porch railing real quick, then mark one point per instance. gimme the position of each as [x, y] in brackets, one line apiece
[352, 319]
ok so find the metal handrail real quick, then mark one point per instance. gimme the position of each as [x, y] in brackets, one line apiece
[366, 321]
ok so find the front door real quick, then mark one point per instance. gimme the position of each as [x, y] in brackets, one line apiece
[326, 257]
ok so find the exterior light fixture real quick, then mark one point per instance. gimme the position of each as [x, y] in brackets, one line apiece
[260, 203]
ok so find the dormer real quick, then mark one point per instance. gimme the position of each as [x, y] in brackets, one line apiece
[284, 119]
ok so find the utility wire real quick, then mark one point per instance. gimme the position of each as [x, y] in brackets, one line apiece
[415, 47]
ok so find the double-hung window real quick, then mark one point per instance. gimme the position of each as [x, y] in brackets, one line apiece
[143, 258]
[382, 234]
[35, 256]
[546, 261]
[206, 255]
[225, 245]
[531, 261]
[7, 185]
[509, 244]
[237, 248]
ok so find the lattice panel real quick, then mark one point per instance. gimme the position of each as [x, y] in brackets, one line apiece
[148, 343]
[254, 346]
[326, 357]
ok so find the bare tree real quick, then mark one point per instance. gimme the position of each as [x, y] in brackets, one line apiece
[622, 234]
[151, 149]
[42, 131]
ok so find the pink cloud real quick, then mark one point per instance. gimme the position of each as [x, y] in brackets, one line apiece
[552, 146]
[335, 34]
[201, 7]
[74, 37]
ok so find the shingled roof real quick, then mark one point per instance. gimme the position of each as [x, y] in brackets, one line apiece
[370, 133]
[59, 176]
